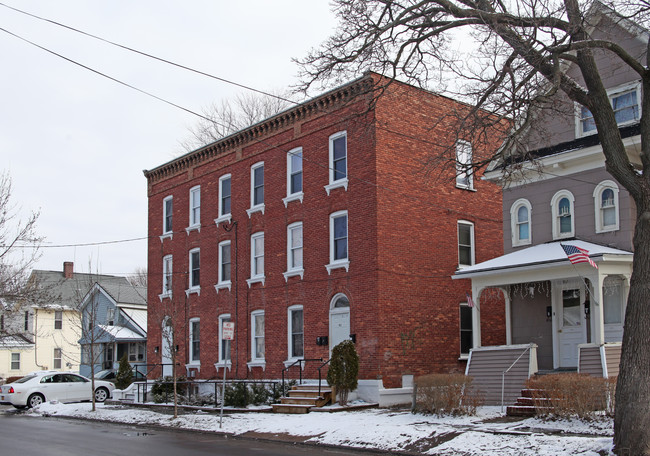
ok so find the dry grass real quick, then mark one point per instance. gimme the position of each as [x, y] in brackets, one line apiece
[570, 395]
[446, 394]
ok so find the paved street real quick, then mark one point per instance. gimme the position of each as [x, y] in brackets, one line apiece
[31, 436]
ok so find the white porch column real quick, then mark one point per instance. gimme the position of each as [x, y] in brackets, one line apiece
[476, 316]
[508, 304]
[597, 315]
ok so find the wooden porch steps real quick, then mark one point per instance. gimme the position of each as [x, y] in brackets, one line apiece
[530, 403]
[302, 399]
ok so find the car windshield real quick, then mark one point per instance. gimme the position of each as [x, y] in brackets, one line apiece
[25, 379]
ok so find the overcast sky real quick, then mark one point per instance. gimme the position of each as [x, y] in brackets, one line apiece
[75, 143]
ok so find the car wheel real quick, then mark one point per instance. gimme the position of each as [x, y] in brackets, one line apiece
[101, 394]
[35, 399]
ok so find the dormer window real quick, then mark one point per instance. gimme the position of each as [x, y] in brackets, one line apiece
[625, 102]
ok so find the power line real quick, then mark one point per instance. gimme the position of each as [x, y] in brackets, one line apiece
[151, 56]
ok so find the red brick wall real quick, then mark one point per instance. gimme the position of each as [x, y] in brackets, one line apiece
[402, 242]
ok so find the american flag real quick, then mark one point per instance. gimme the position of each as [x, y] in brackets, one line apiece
[577, 255]
[470, 301]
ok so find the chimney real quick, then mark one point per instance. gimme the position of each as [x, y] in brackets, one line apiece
[68, 269]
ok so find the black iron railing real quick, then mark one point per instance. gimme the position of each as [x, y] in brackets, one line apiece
[319, 373]
[298, 362]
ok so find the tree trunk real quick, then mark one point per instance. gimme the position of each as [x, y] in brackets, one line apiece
[632, 415]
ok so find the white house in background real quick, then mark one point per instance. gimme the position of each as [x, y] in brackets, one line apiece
[560, 315]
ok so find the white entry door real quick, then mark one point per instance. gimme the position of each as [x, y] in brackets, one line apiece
[339, 320]
[166, 345]
[572, 330]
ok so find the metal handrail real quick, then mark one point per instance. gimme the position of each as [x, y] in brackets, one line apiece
[503, 375]
[299, 362]
[319, 373]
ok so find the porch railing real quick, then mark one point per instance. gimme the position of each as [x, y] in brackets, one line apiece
[319, 373]
[298, 362]
[503, 375]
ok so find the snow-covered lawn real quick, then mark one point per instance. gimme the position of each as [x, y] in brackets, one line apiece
[487, 433]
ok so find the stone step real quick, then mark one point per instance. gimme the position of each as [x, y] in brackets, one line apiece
[538, 401]
[313, 401]
[291, 408]
[524, 410]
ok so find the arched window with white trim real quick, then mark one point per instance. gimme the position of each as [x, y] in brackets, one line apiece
[562, 210]
[606, 206]
[520, 222]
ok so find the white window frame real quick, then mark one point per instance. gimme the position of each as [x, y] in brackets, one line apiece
[514, 222]
[58, 319]
[259, 207]
[256, 275]
[472, 240]
[194, 224]
[167, 277]
[192, 361]
[193, 288]
[339, 263]
[611, 93]
[56, 358]
[13, 362]
[223, 362]
[224, 217]
[555, 201]
[343, 181]
[464, 174]
[294, 196]
[292, 269]
[110, 316]
[290, 357]
[598, 209]
[257, 361]
[222, 284]
[167, 233]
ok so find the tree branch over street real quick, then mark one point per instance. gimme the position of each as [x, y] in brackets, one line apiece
[514, 62]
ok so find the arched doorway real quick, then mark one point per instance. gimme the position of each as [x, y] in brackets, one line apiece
[166, 344]
[339, 320]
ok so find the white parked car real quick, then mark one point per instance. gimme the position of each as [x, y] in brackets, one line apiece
[39, 387]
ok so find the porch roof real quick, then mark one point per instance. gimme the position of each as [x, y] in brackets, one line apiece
[122, 334]
[549, 254]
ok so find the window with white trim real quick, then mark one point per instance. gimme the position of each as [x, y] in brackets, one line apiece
[167, 276]
[257, 336]
[56, 364]
[195, 269]
[606, 206]
[625, 103]
[224, 345]
[464, 175]
[15, 361]
[224, 266]
[110, 316]
[195, 207]
[225, 199]
[58, 319]
[520, 222]
[195, 341]
[294, 175]
[466, 330]
[338, 241]
[465, 243]
[338, 161]
[562, 213]
[257, 258]
[257, 188]
[168, 206]
[294, 250]
[613, 302]
[296, 332]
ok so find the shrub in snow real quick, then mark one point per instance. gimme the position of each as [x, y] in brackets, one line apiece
[446, 394]
[124, 375]
[343, 372]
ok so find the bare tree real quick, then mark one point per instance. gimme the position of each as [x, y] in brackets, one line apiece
[221, 120]
[138, 278]
[517, 68]
[19, 251]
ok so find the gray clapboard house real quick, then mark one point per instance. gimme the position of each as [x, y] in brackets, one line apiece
[114, 321]
[559, 315]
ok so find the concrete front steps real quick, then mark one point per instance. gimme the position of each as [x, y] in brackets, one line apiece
[302, 398]
[530, 403]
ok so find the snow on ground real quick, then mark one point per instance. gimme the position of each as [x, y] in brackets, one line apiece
[487, 433]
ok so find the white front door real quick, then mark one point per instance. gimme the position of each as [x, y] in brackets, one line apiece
[571, 324]
[166, 354]
[339, 327]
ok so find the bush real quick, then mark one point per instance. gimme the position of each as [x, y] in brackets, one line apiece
[236, 395]
[163, 389]
[124, 375]
[568, 395]
[343, 372]
[446, 394]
